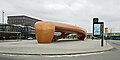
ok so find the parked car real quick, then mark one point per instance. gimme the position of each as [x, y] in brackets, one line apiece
[30, 38]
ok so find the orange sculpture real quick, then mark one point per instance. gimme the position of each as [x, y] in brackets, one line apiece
[45, 31]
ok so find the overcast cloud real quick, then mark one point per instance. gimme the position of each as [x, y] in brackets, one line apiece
[76, 12]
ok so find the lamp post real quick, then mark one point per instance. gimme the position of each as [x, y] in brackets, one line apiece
[3, 26]
[3, 16]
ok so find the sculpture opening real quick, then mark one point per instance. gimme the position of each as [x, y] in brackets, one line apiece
[45, 31]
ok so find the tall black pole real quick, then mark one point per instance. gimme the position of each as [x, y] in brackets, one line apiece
[102, 34]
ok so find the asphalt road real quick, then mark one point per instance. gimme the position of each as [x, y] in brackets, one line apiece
[110, 55]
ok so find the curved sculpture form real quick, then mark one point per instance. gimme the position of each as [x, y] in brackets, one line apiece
[45, 31]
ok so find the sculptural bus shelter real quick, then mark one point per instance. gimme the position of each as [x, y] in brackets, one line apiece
[45, 31]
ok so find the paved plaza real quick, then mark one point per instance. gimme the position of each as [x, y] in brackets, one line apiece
[31, 47]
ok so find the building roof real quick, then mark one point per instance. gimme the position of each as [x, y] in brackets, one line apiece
[24, 16]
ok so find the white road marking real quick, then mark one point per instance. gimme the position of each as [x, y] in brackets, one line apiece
[76, 55]
[52, 56]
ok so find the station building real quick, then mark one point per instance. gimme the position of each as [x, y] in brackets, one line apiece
[22, 20]
[18, 27]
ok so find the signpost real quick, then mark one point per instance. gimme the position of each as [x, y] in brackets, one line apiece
[98, 30]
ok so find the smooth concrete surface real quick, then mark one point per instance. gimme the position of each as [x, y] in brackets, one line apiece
[61, 47]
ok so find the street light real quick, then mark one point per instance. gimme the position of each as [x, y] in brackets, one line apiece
[3, 27]
[3, 16]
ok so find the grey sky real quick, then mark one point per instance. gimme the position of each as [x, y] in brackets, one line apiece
[76, 12]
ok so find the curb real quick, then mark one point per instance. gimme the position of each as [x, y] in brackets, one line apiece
[110, 49]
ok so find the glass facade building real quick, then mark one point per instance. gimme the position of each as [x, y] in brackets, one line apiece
[11, 31]
[18, 27]
[22, 20]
